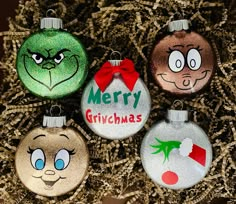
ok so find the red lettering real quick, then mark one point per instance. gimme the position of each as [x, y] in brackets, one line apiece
[95, 118]
[139, 118]
[117, 119]
[89, 116]
[131, 118]
[99, 117]
[110, 120]
[124, 119]
[104, 119]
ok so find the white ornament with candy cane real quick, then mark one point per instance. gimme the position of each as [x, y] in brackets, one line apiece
[176, 154]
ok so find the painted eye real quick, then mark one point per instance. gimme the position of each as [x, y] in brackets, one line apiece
[58, 58]
[37, 58]
[62, 159]
[176, 61]
[38, 159]
[194, 59]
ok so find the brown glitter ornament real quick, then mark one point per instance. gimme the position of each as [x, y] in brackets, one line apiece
[183, 62]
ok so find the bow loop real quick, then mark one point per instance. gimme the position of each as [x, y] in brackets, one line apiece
[126, 69]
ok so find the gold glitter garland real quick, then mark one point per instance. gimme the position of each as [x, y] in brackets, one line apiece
[130, 27]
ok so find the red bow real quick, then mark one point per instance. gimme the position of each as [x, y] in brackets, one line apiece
[126, 69]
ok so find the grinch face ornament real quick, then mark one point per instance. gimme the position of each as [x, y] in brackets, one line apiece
[116, 103]
[182, 62]
[52, 161]
[176, 154]
[52, 63]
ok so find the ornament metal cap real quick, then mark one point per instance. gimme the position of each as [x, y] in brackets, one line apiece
[49, 22]
[177, 115]
[115, 62]
[179, 25]
[54, 121]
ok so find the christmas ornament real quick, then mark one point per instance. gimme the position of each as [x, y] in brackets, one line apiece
[176, 154]
[52, 63]
[116, 103]
[182, 62]
[52, 160]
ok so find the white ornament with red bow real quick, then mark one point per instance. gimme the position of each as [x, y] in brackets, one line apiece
[116, 103]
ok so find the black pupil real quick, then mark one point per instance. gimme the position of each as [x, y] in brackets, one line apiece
[192, 63]
[178, 63]
[37, 57]
[58, 57]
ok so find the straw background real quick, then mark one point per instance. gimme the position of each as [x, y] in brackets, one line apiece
[130, 27]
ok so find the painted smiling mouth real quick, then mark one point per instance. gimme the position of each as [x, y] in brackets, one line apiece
[49, 184]
[186, 82]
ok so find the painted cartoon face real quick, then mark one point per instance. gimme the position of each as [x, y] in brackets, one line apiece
[176, 157]
[182, 63]
[52, 161]
[52, 63]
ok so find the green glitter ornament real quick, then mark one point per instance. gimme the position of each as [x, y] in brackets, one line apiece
[52, 63]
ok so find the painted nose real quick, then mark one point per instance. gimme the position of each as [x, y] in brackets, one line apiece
[49, 65]
[187, 75]
[50, 172]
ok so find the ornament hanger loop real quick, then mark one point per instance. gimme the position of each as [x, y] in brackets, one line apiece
[55, 110]
[178, 103]
[180, 14]
[51, 13]
[115, 54]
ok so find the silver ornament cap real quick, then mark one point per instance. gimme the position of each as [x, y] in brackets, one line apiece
[54, 121]
[115, 62]
[177, 115]
[49, 22]
[179, 25]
